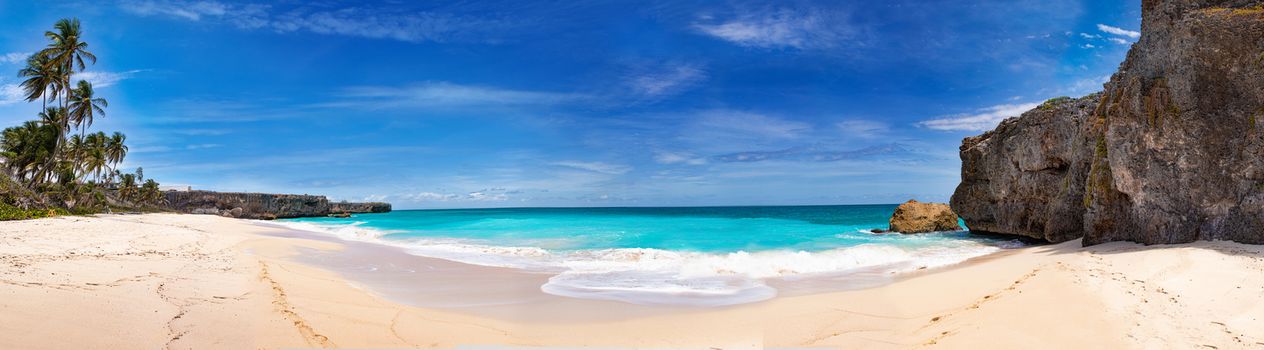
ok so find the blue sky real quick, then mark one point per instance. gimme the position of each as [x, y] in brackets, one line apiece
[490, 104]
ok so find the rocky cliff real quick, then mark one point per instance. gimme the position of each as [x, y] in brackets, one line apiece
[263, 205]
[365, 207]
[1027, 176]
[1171, 151]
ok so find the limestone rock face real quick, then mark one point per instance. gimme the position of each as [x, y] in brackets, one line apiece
[918, 217]
[1027, 176]
[1171, 152]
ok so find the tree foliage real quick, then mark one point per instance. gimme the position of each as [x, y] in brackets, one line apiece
[47, 157]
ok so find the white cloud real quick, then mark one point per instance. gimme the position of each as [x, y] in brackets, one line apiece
[984, 119]
[162, 148]
[780, 29]
[14, 57]
[678, 158]
[200, 132]
[1118, 31]
[103, 79]
[191, 10]
[448, 94]
[203, 146]
[402, 26]
[669, 81]
[207, 110]
[149, 149]
[11, 93]
[1089, 46]
[482, 196]
[751, 124]
[376, 23]
[862, 128]
[489, 195]
[300, 158]
[597, 167]
[1090, 36]
[429, 196]
[1118, 41]
[1086, 85]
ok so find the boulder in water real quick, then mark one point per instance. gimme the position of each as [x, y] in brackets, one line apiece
[918, 217]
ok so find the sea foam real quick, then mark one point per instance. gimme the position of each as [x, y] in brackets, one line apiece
[664, 277]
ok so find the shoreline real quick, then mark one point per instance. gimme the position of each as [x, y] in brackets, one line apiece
[392, 273]
[181, 281]
[698, 279]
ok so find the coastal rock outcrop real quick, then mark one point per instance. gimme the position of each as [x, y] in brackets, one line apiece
[918, 217]
[360, 207]
[1170, 152]
[1027, 176]
[263, 205]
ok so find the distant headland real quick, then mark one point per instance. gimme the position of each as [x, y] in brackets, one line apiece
[265, 206]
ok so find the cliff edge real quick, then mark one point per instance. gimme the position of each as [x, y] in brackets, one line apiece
[1172, 151]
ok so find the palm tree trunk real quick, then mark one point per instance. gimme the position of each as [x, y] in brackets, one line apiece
[62, 124]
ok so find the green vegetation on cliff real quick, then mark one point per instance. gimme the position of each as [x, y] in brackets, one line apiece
[1053, 103]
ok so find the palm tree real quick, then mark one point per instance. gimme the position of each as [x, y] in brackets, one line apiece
[94, 162]
[40, 153]
[56, 118]
[84, 106]
[27, 148]
[127, 186]
[42, 78]
[67, 49]
[65, 52]
[109, 176]
[149, 192]
[76, 148]
[116, 149]
[95, 154]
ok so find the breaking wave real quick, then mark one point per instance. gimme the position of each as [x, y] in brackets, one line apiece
[666, 277]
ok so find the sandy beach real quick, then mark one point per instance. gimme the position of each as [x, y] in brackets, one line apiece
[192, 174]
[205, 282]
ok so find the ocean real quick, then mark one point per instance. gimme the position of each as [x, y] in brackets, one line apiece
[674, 255]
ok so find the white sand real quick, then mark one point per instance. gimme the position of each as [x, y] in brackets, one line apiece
[203, 282]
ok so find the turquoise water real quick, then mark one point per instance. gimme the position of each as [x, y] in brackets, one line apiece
[694, 255]
[703, 229]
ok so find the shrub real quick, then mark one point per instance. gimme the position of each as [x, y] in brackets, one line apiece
[1052, 103]
[9, 212]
